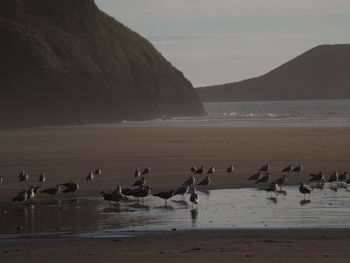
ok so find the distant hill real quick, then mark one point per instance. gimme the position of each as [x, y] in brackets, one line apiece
[65, 62]
[320, 73]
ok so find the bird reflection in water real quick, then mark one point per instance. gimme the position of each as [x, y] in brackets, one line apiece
[273, 199]
[194, 216]
[305, 201]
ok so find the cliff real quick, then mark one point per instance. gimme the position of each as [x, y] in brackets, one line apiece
[320, 73]
[65, 62]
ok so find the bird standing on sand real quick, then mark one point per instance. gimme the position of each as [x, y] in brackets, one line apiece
[333, 177]
[146, 171]
[205, 181]
[201, 170]
[298, 169]
[182, 191]
[42, 178]
[317, 177]
[21, 197]
[137, 173]
[304, 190]
[256, 176]
[194, 197]
[190, 181]
[211, 170]
[117, 195]
[165, 195]
[90, 177]
[52, 191]
[71, 187]
[273, 187]
[230, 169]
[23, 176]
[142, 192]
[265, 168]
[264, 179]
[98, 171]
[280, 181]
[288, 169]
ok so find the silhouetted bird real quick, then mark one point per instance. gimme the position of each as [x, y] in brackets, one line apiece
[256, 176]
[298, 169]
[280, 181]
[165, 195]
[23, 176]
[205, 181]
[42, 178]
[265, 178]
[140, 182]
[193, 169]
[142, 192]
[333, 177]
[90, 177]
[137, 173]
[201, 170]
[190, 181]
[288, 169]
[146, 171]
[194, 197]
[230, 169]
[21, 197]
[98, 171]
[265, 168]
[317, 177]
[52, 191]
[211, 170]
[182, 191]
[106, 196]
[304, 190]
[273, 187]
[343, 177]
[71, 187]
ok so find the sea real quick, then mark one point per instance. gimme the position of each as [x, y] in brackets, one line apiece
[261, 113]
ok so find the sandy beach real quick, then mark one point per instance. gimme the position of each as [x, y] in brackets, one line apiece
[65, 154]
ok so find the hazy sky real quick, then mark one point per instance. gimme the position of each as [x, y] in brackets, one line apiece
[219, 41]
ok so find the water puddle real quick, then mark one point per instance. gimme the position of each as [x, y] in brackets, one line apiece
[230, 208]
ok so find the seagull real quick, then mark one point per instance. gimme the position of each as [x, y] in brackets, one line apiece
[190, 181]
[1, 179]
[165, 195]
[140, 182]
[90, 177]
[265, 168]
[117, 195]
[21, 197]
[71, 187]
[256, 176]
[106, 196]
[182, 191]
[265, 178]
[193, 169]
[23, 176]
[137, 173]
[317, 177]
[272, 188]
[343, 177]
[194, 197]
[211, 170]
[333, 177]
[298, 169]
[304, 190]
[98, 171]
[146, 171]
[142, 192]
[280, 181]
[230, 169]
[205, 181]
[288, 169]
[201, 170]
[52, 191]
[42, 178]
[30, 192]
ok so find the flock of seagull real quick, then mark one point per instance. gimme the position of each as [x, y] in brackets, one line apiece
[140, 190]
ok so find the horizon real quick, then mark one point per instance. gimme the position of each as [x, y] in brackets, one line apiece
[227, 41]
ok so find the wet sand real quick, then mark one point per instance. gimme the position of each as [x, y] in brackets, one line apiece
[65, 154]
[194, 246]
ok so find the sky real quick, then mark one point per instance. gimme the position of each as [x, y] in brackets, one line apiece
[222, 41]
